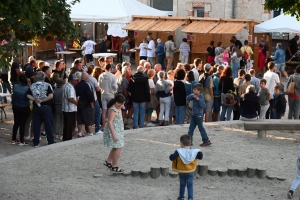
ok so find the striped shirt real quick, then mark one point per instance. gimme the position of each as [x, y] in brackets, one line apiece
[185, 49]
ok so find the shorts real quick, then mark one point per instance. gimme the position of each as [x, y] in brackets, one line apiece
[280, 66]
[126, 58]
[86, 116]
[217, 104]
[88, 58]
[105, 98]
[209, 105]
[149, 111]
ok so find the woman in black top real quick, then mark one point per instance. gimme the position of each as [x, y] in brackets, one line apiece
[179, 96]
[225, 85]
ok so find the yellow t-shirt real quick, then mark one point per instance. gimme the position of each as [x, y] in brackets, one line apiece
[248, 49]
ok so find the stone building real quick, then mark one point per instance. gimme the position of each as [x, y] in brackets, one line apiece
[245, 9]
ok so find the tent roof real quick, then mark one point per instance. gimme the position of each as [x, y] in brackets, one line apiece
[282, 23]
[115, 11]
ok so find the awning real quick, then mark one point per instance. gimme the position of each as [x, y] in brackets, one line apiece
[140, 25]
[200, 27]
[228, 28]
[167, 25]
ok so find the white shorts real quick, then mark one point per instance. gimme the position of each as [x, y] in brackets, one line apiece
[280, 67]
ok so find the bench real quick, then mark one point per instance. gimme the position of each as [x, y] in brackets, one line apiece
[44, 50]
[271, 124]
[2, 106]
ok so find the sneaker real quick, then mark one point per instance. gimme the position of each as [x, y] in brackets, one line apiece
[99, 132]
[22, 143]
[28, 138]
[150, 124]
[204, 144]
[57, 137]
[36, 146]
[40, 138]
[91, 134]
[61, 138]
[126, 128]
[290, 194]
[129, 121]
[43, 134]
[14, 142]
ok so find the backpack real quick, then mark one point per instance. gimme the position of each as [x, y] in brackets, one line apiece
[245, 54]
[228, 99]
[203, 78]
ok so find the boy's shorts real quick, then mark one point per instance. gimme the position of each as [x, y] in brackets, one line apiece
[149, 111]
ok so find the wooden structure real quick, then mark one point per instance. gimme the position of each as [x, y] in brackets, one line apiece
[46, 47]
[201, 30]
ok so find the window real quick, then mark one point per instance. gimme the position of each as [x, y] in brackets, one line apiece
[165, 5]
[198, 12]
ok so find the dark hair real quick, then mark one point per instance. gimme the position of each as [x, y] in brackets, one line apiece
[187, 67]
[219, 44]
[212, 43]
[190, 76]
[45, 69]
[119, 98]
[96, 72]
[263, 81]
[271, 65]
[246, 42]
[179, 74]
[241, 72]
[186, 140]
[298, 69]
[101, 59]
[227, 73]
[23, 80]
[56, 64]
[251, 71]
[119, 67]
[90, 69]
[32, 61]
[107, 66]
[247, 77]
[278, 87]
[184, 40]
[198, 86]
[232, 41]
[197, 61]
[126, 38]
[170, 37]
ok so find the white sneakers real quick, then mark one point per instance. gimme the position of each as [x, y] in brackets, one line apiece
[150, 124]
[99, 132]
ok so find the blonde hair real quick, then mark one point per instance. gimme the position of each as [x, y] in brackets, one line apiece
[151, 73]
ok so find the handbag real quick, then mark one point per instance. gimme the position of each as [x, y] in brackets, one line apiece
[291, 87]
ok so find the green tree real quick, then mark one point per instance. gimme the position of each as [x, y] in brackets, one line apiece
[25, 20]
[289, 6]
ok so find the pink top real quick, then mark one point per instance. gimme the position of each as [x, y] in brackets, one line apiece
[225, 57]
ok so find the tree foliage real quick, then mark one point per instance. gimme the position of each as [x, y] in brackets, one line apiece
[289, 6]
[24, 20]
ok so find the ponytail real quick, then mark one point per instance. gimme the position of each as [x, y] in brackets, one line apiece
[120, 98]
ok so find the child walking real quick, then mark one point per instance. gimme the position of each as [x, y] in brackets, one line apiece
[184, 161]
[113, 135]
[264, 98]
[197, 114]
[296, 181]
[279, 102]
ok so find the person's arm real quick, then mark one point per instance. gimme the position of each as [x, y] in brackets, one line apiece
[275, 57]
[283, 104]
[199, 155]
[174, 155]
[289, 49]
[72, 100]
[98, 88]
[190, 97]
[18, 72]
[267, 52]
[211, 90]
[200, 101]
[111, 116]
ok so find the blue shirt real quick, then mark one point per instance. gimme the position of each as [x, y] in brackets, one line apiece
[216, 80]
[19, 98]
[279, 56]
[189, 87]
[160, 49]
[198, 105]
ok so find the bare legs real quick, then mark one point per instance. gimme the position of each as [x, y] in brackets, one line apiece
[114, 156]
[104, 112]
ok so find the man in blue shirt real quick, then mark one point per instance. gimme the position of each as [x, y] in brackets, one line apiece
[217, 94]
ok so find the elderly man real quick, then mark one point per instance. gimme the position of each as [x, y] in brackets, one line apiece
[69, 107]
[41, 94]
[147, 66]
[140, 94]
[85, 107]
[151, 50]
[157, 69]
[108, 85]
[170, 52]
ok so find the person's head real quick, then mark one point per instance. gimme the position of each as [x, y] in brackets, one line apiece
[147, 66]
[85, 77]
[57, 65]
[39, 77]
[113, 69]
[126, 38]
[220, 69]
[144, 40]
[185, 140]
[101, 60]
[171, 74]
[186, 67]
[151, 73]
[247, 77]
[298, 69]
[149, 38]
[104, 37]
[108, 67]
[232, 41]
[140, 69]
[233, 38]
[125, 71]
[246, 42]
[179, 66]
[47, 71]
[252, 72]
[118, 101]
[23, 80]
[227, 73]
[263, 83]
[96, 72]
[30, 58]
[73, 79]
[170, 37]
[142, 62]
[158, 40]
[226, 49]
[161, 75]
[261, 40]
[33, 63]
[184, 40]
[157, 68]
[212, 43]
[78, 75]
[41, 64]
[180, 74]
[207, 68]
[119, 67]
[85, 33]
[241, 73]
[197, 63]
[108, 60]
[78, 64]
[90, 69]
[278, 90]
[250, 88]
[190, 76]
[197, 89]
[278, 46]
[271, 66]
[59, 82]
[296, 37]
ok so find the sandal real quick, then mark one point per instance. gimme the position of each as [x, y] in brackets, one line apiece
[107, 164]
[117, 169]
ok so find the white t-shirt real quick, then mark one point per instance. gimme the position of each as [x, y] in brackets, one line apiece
[151, 84]
[172, 85]
[143, 51]
[89, 46]
[272, 80]
[196, 74]
[151, 45]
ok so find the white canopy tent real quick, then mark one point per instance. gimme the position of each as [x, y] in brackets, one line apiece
[282, 23]
[111, 11]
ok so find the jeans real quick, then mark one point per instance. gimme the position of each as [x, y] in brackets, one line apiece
[235, 68]
[217, 104]
[40, 115]
[198, 121]
[263, 110]
[270, 114]
[180, 114]
[294, 108]
[186, 180]
[97, 116]
[296, 181]
[227, 110]
[165, 105]
[20, 117]
[139, 114]
[161, 60]
[69, 125]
